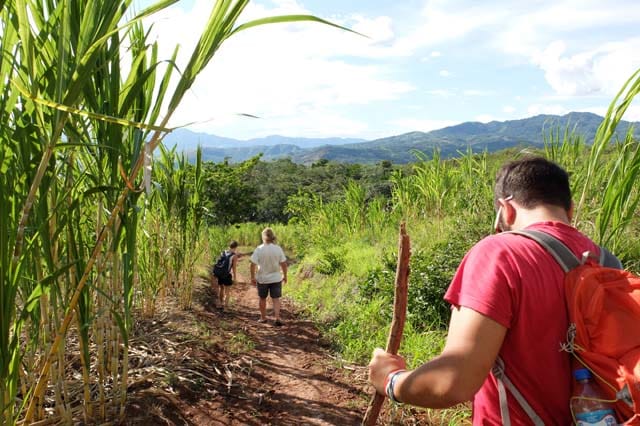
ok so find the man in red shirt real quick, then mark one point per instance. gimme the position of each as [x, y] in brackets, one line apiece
[508, 301]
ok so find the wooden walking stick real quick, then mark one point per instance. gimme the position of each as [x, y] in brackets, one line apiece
[399, 316]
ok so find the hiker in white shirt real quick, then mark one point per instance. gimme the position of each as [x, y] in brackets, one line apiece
[268, 273]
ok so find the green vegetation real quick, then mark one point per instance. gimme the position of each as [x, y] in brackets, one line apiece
[92, 236]
[345, 279]
[86, 243]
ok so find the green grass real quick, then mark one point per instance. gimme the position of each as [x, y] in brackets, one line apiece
[239, 343]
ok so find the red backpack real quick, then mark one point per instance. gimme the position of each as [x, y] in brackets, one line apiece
[604, 311]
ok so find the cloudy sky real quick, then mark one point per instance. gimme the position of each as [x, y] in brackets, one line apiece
[426, 64]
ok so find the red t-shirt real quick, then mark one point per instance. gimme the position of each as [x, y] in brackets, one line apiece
[514, 281]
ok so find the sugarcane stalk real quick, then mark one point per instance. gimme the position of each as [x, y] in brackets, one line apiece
[399, 316]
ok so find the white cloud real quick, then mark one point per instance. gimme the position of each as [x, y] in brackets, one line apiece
[632, 114]
[443, 21]
[432, 55]
[283, 73]
[441, 93]
[477, 92]
[307, 78]
[324, 123]
[533, 25]
[484, 118]
[378, 29]
[602, 70]
[536, 33]
[537, 109]
[557, 36]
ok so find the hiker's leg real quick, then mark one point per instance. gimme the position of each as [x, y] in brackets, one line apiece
[221, 294]
[276, 308]
[263, 308]
[276, 292]
[214, 290]
[263, 292]
[227, 294]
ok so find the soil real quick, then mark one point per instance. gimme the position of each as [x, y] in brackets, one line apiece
[206, 366]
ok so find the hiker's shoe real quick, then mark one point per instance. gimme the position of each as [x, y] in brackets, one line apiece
[277, 323]
[262, 320]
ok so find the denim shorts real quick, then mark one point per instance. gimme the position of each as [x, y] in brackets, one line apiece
[273, 289]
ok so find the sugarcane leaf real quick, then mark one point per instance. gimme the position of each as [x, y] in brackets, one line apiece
[289, 19]
[89, 114]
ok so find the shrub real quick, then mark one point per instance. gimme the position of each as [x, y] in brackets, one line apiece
[330, 263]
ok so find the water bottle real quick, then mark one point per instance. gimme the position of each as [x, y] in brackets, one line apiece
[588, 403]
[625, 395]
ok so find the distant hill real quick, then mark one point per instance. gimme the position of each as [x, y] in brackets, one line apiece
[492, 136]
[187, 140]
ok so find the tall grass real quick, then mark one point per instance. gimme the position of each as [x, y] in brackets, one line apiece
[82, 238]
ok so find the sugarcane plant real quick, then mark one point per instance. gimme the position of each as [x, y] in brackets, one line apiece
[83, 109]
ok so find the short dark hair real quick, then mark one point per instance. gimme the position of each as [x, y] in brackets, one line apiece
[233, 244]
[533, 181]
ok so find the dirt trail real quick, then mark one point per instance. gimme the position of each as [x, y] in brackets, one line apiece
[225, 368]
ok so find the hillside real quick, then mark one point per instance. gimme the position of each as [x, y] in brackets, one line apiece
[492, 136]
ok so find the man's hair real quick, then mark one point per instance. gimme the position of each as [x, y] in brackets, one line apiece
[268, 235]
[534, 181]
[233, 244]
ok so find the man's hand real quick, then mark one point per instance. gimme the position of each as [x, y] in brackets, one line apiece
[254, 282]
[382, 363]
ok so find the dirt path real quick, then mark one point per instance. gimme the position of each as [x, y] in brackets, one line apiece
[224, 368]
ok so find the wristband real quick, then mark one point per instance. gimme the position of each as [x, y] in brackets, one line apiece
[390, 382]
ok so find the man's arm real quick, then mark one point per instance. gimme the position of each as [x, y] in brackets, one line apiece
[472, 346]
[253, 273]
[284, 267]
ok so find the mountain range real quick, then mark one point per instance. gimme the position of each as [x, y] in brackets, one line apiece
[492, 136]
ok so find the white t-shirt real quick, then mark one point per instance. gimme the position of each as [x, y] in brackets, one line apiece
[268, 258]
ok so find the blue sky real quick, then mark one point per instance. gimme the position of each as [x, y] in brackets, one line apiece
[426, 64]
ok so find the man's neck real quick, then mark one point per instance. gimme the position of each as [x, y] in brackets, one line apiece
[526, 217]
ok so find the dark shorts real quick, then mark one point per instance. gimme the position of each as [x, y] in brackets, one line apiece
[273, 289]
[225, 280]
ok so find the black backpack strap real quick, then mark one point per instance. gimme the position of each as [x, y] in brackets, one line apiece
[609, 260]
[556, 248]
[565, 257]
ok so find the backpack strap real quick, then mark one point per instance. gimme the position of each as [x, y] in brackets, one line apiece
[609, 260]
[561, 253]
[556, 248]
[503, 384]
[567, 261]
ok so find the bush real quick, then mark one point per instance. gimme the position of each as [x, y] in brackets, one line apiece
[430, 274]
[330, 263]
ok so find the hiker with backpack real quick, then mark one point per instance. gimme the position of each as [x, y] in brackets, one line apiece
[509, 316]
[225, 271]
[268, 273]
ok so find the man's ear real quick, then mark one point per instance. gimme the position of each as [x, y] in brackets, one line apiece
[509, 213]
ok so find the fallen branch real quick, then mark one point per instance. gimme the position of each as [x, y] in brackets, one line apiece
[399, 316]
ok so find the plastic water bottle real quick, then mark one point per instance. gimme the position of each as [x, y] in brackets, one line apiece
[588, 405]
[625, 395]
